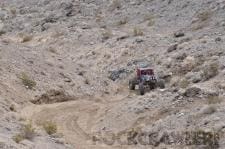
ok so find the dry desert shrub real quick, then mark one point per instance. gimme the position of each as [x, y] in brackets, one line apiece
[202, 20]
[123, 21]
[137, 31]
[27, 81]
[27, 132]
[150, 18]
[25, 37]
[184, 83]
[210, 71]
[106, 34]
[214, 99]
[50, 127]
[204, 16]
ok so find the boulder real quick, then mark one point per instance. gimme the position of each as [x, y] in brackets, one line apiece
[208, 109]
[192, 91]
[194, 77]
[172, 48]
[179, 34]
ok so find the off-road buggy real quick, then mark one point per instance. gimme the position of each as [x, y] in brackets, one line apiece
[145, 78]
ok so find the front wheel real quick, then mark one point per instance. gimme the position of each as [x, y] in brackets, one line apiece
[161, 84]
[141, 89]
[132, 83]
[152, 86]
[131, 86]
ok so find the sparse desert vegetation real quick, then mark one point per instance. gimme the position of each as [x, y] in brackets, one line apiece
[50, 127]
[106, 34]
[27, 81]
[77, 57]
[138, 31]
[27, 132]
[25, 37]
[214, 99]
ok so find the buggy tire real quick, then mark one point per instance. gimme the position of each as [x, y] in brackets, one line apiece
[132, 83]
[161, 84]
[152, 86]
[141, 89]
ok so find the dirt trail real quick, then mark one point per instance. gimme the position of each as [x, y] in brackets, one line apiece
[75, 119]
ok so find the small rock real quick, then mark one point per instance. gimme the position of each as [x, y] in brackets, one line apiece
[192, 92]
[181, 91]
[218, 39]
[139, 40]
[122, 37]
[194, 77]
[208, 109]
[139, 63]
[172, 48]
[187, 39]
[60, 141]
[67, 80]
[178, 34]
[12, 108]
[181, 56]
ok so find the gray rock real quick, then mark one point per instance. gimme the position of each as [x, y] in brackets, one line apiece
[192, 92]
[139, 40]
[194, 77]
[172, 48]
[139, 63]
[208, 109]
[218, 39]
[122, 37]
[181, 56]
[116, 74]
[178, 34]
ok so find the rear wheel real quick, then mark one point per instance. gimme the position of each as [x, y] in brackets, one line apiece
[141, 89]
[161, 84]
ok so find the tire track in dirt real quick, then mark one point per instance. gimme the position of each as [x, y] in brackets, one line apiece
[75, 119]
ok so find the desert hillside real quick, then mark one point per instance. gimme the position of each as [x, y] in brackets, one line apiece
[65, 67]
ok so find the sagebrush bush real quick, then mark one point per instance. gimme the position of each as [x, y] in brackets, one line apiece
[137, 31]
[214, 99]
[27, 81]
[106, 34]
[210, 71]
[123, 21]
[50, 127]
[18, 138]
[184, 83]
[204, 16]
[27, 132]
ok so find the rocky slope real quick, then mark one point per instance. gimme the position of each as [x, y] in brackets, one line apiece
[69, 61]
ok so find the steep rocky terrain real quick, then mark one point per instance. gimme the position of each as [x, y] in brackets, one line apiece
[69, 62]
